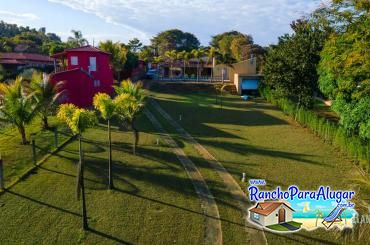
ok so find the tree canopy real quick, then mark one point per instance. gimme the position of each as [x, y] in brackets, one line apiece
[290, 68]
[344, 68]
[174, 39]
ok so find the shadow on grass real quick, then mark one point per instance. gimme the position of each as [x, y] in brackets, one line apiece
[245, 149]
[42, 203]
[110, 237]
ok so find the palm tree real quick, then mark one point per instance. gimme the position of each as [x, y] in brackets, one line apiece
[211, 56]
[118, 55]
[319, 214]
[129, 103]
[187, 56]
[197, 54]
[77, 40]
[78, 120]
[181, 56]
[105, 105]
[45, 95]
[171, 55]
[17, 107]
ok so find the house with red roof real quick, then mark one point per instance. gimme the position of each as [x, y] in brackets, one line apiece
[84, 72]
[271, 213]
[19, 61]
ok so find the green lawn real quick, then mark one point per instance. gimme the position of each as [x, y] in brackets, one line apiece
[155, 202]
[154, 199]
[18, 158]
[257, 138]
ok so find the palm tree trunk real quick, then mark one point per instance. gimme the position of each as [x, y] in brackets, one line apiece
[45, 123]
[198, 71]
[183, 75]
[110, 186]
[22, 131]
[82, 186]
[136, 137]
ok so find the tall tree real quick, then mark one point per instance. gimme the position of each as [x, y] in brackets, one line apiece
[134, 45]
[198, 55]
[129, 103]
[290, 68]
[241, 47]
[78, 120]
[45, 93]
[16, 106]
[211, 53]
[77, 40]
[174, 39]
[171, 56]
[344, 68]
[107, 108]
[118, 55]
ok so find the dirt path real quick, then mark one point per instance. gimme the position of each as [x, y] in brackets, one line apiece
[213, 231]
[255, 234]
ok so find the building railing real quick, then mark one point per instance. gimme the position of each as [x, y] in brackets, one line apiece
[193, 78]
[60, 69]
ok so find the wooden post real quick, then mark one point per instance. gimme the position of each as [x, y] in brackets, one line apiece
[2, 187]
[56, 137]
[33, 151]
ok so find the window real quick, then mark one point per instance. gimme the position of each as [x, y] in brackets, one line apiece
[92, 66]
[96, 83]
[256, 216]
[74, 60]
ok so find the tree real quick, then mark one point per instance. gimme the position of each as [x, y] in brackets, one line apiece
[45, 94]
[187, 57]
[231, 45]
[197, 54]
[78, 120]
[171, 55]
[134, 45]
[17, 107]
[174, 39]
[129, 103]
[344, 68]
[77, 40]
[318, 214]
[212, 51]
[290, 68]
[107, 108]
[241, 47]
[181, 56]
[146, 54]
[118, 55]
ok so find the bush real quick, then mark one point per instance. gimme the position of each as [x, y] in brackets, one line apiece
[334, 134]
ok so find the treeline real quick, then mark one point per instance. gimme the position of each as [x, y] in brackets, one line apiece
[326, 56]
[232, 46]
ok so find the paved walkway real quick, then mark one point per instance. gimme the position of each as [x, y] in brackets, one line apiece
[255, 234]
[289, 226]
[213, 231]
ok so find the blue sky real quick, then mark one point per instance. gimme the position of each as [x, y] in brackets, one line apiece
[121, 20]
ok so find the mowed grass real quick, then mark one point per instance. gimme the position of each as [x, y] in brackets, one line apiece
[258, 139]
[154, 201]
[18, 158]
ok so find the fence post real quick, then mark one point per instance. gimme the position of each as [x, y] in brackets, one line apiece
[34, 151]
[2, 187]
[56, 137]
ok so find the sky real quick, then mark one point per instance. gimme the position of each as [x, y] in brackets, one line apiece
[122, 20]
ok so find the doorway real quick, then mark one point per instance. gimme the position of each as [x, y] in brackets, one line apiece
[281, 215]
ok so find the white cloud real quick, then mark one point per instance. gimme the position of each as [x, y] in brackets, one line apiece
[264, 19]
[17, 18]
